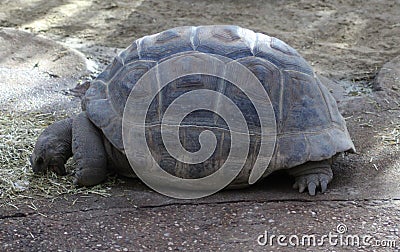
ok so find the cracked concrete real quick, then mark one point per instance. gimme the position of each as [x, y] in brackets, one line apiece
[228, 226]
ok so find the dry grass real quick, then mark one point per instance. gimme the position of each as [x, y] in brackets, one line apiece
[391, 136]
[18, 134]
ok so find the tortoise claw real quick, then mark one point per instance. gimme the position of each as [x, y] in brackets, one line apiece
[324, 185]
[311, 188]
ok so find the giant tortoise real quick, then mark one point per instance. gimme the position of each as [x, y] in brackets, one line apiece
[309, 128]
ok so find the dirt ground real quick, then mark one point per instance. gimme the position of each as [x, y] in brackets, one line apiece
[348, 42]
[345, 39]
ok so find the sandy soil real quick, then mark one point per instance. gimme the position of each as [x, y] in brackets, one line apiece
[347, 41]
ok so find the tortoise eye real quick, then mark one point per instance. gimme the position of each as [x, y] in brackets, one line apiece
[39, 161]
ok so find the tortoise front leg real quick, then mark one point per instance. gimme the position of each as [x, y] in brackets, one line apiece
[88, 151]
[312, 175]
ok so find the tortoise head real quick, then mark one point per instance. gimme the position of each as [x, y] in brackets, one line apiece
[52, 149]
[47, 157]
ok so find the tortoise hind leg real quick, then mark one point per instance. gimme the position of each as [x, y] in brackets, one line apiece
[88, 151]
[312, 175]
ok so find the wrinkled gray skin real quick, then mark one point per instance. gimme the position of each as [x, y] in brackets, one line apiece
[78, 137]
[95, 156]
[53, 148]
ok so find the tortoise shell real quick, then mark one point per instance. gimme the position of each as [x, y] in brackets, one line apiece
[309, 126]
